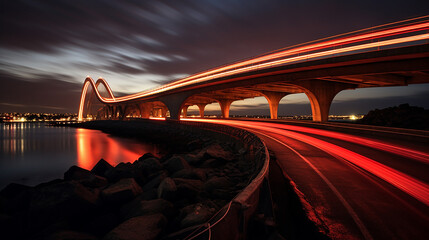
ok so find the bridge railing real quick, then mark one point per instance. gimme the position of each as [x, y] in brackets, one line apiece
[363, 36]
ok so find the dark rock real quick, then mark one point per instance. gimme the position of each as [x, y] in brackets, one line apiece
[146, 227]
[167, 189]
[101, 167]
[64, 200]
[226, 194]
[191, 173]
[150, 194]
[194, 145]
[176, 163]
[50, 183]
[193, 159]
[15, 197]
[77, 173]
[164, 158]
[216, 151]
[13, 189]
[125, 170]
[145, 156]
[140, 208]
[215, 183]
[122, 191]
[102, 224]
[149, 166]
[95, 182]
[69, 235]
[196, 214]
[12, 227]
[188, 188]
[85, 177]
[154, 183]
[212, 163]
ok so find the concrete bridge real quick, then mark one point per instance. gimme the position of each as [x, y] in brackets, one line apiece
[395, 54]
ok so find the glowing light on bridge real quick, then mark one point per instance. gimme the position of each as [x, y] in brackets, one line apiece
[340, 45]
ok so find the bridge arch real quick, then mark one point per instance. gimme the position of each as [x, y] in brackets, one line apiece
[89, 81]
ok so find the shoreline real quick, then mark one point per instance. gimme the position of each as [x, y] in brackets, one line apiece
[196, 182]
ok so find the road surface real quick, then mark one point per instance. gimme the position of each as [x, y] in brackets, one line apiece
[361, 188]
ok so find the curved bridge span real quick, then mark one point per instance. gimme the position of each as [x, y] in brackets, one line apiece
[395, 54]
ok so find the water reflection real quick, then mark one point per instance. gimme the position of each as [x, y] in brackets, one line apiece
[31, 153]
[92, 145]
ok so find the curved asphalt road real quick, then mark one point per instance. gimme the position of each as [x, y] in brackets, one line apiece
[360, 188]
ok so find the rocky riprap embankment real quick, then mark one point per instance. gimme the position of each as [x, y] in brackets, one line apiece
[147, 199]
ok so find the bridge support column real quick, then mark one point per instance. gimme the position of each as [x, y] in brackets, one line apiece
[164, 112]
[145, 109]
[273, 99]
[225, 104]
[201, 107]
[122, 109]
[175, 103]
[321, 94]
[185, 111]
[109, 112]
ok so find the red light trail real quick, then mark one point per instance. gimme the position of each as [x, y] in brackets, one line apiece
[408, 184]
[304, 52]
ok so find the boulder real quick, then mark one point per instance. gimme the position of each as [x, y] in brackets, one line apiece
[122, 191]
[219, 187]
[49, 183]
[154, 183]
[65, 200]
[188, 188]
[193, 159]
[176, 163]
[191, 173]
[13, 189]
[149, 166]
[216, 151]
[12, 227]
[15, 197]
[194, 145]
[146, 227]
[167, 189]
[124, 170]
[140, 207]
[212, 163]
[145, 156]
[85, 177]
[101, 167]
[77, 173]
[196, 214]
[100, 225]
[150, 194]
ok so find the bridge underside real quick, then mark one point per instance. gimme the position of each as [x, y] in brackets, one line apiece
[320, 91]
[321, 80]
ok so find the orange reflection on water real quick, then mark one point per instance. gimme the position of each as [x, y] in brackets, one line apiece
[92, 145]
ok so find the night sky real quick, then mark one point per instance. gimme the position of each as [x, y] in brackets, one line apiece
[47, 48]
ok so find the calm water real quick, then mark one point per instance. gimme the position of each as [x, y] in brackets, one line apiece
[31, 153]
